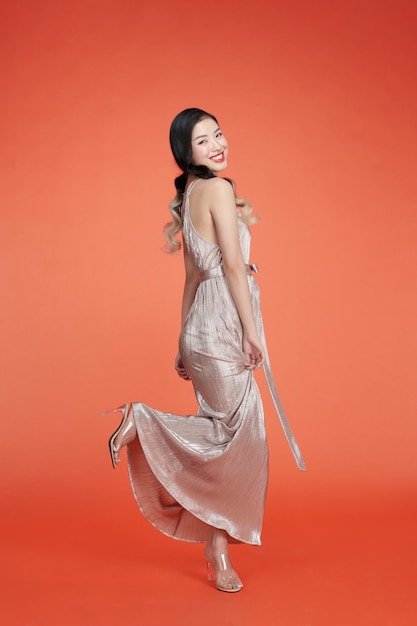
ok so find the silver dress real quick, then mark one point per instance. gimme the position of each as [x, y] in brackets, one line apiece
[189, 473]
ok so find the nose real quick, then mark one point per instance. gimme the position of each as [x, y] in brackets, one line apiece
[215, 145]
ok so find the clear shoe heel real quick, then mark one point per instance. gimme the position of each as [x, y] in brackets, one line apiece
[126, 431]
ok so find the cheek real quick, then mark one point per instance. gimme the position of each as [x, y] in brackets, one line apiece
[225, 145]
[197, 154]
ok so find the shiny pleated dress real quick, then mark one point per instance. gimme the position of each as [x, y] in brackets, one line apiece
[189, 473]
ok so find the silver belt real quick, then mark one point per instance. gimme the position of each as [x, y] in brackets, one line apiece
[214, 272]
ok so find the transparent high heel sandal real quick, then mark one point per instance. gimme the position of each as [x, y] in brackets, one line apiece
[126, 430]
[220, 571]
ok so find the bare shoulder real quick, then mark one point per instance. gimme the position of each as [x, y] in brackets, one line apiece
[215, 189]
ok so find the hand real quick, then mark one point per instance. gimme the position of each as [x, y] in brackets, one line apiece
[254, 352]
[181, 371]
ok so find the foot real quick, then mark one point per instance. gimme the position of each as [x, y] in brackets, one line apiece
[219, 565]
[124, 434]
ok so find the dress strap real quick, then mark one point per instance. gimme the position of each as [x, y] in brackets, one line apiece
[190, 187]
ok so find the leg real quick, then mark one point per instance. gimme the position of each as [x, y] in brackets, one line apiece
[219, 565]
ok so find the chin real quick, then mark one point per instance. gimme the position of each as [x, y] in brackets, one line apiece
[218, 167]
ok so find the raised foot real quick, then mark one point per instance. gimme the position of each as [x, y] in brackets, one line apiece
[124, 434]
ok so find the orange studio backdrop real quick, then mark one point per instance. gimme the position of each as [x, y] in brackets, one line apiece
[317, 100]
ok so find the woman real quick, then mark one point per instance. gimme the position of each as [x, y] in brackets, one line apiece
[203, 478]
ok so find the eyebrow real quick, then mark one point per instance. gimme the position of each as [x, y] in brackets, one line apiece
[201, 136]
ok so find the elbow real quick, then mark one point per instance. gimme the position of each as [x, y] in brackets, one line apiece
[234, 268]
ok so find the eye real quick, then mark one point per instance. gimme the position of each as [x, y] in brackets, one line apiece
[219, 134]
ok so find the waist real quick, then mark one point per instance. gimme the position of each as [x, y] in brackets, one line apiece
[215, 272]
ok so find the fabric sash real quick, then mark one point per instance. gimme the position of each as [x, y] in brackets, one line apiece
[215, 272]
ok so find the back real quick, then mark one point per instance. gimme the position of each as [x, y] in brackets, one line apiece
[206, 254]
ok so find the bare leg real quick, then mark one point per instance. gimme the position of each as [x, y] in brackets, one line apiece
[219, 565]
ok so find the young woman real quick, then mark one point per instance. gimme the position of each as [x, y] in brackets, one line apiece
[203, 477]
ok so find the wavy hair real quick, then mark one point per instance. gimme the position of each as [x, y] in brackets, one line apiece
[180, 141]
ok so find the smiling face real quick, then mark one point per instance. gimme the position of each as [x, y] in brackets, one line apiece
[209, 146]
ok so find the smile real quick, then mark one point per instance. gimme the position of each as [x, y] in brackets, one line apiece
[218, 158]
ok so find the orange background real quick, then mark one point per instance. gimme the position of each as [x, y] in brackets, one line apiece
[317, 100]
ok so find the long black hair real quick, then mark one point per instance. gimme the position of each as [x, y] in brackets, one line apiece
[180, 140]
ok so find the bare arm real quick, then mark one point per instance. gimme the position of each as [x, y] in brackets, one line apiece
[221, 200]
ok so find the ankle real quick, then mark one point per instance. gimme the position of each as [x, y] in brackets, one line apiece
[218, 542]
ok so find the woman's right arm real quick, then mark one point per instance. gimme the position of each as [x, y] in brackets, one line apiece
[222, 204]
